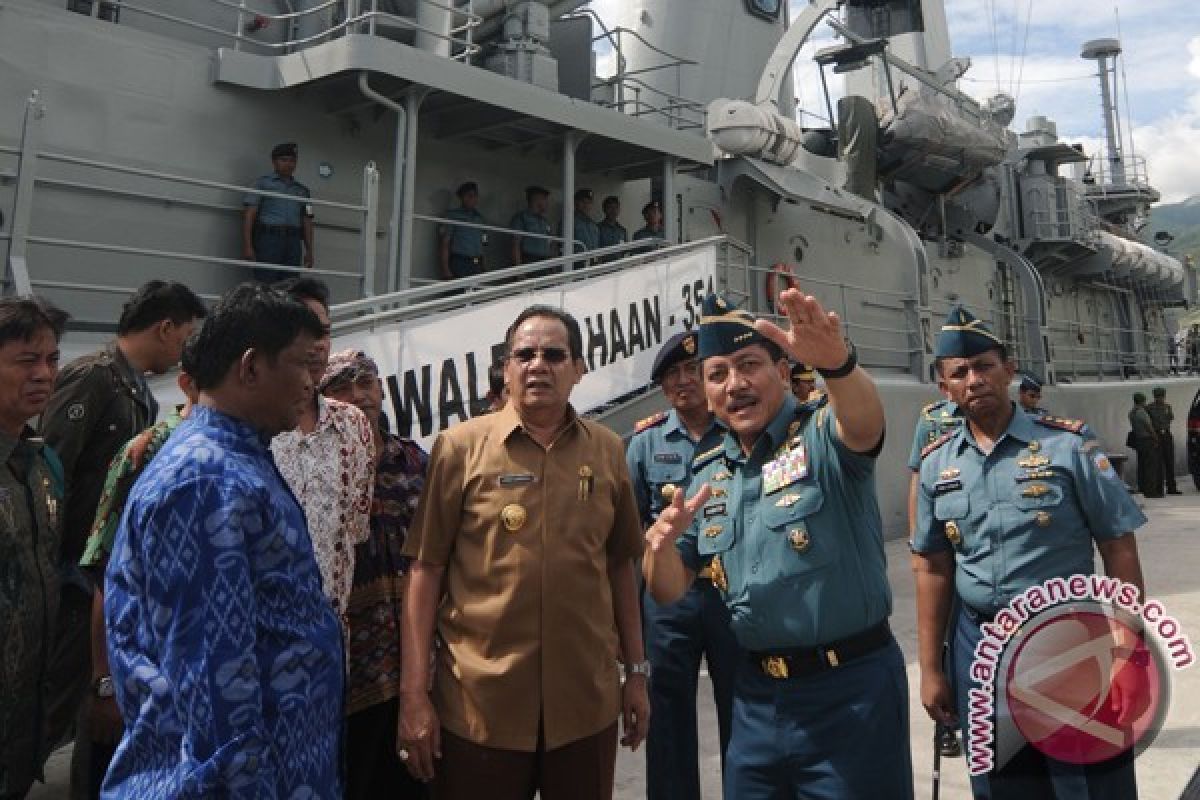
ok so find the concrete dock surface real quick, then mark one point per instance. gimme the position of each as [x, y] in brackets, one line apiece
[1170, 551]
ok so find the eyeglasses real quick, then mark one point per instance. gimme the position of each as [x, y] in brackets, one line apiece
[551, 355]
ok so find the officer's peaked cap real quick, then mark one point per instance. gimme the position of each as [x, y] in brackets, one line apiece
[964, 336]
[284, 150]
[725, 329]
[679, 347]
[1030, 383]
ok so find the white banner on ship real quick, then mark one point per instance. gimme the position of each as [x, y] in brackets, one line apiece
[434, 369]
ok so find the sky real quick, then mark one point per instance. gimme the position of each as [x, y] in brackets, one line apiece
[1161, 63]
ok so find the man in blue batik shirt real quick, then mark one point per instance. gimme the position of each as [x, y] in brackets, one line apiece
[226, 656]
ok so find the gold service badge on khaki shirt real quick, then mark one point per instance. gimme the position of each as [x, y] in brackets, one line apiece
[513, 517]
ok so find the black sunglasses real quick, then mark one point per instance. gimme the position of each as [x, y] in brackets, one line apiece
[551, 355]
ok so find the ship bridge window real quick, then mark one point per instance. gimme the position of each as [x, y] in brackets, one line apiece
[767, 9]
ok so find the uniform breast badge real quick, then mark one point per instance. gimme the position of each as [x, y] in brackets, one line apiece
[1035, 490]
[786, 500]
[1034, 459]
[953, 534]
[713, 531]
[718, 492]
[722, 475]
[798, 539]
[513, 517]
[950, 473]
[1042, 518]
[587, 482]
[719, 578]
[668, 492]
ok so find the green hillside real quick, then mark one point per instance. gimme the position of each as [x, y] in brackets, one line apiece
[1181, 220]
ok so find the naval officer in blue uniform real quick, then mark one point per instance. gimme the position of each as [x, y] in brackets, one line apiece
[678, 635]
[786, 522]
[460, 252]
[1009, 500]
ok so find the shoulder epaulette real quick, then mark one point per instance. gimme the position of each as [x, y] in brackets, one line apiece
[650, 421]
[933, 406]
[708, 455]
[1061, 423]
[936, 443]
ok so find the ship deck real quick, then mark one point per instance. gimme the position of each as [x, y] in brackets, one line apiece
[1171, 562]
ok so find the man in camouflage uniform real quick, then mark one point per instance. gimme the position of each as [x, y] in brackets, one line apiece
[30, 503]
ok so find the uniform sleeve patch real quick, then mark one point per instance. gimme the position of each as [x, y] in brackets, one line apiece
[75, 412]
[1104, 465]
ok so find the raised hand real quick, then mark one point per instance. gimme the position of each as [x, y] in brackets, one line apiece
[814, 335]
[675, 519]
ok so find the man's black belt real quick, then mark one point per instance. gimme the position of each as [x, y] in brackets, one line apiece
[801, 662]
[278, 230]
[976, 616]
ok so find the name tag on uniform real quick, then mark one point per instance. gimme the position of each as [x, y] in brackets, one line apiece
[714, 510]
[517, 479]
[668, 458]
[941, 487]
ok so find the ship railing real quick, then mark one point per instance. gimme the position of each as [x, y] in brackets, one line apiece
[29, 179]
[1094, 351]
[625, 80]
[436, 296]
[860, 308]
[1130, 173]
[578, 245]
[355, 20]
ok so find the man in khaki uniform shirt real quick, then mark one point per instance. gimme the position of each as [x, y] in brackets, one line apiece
[524, 541]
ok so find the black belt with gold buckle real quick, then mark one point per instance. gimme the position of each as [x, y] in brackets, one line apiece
[804, 661]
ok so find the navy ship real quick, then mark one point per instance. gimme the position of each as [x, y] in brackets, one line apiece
[131, 131]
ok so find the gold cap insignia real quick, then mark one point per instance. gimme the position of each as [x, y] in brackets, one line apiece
[513, 516]
[775, 666]
[689, 344]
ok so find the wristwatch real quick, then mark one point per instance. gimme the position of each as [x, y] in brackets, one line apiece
[640, 668]
[847, 366]
[103, 687]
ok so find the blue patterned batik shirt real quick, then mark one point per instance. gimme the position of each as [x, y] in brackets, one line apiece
[225, 653]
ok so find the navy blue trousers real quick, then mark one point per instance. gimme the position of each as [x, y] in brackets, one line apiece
[841, 734]
[277, 248]
[1030, 775]
[677, 636]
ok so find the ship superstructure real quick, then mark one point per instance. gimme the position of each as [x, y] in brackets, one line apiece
[133, 129]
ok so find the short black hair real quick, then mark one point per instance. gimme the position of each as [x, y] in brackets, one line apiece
[999, 350]
[469, 186]
[574, 336]
[156, 301]
[250, 315]
[611, 200]
[303, 288]
[187, 361]
[535, 191]
[22, 317]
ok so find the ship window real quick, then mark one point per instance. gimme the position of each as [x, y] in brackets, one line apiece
[767, 9]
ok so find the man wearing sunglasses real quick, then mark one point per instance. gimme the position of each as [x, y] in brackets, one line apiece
[523, 545]
[679, 634]
[786, 522]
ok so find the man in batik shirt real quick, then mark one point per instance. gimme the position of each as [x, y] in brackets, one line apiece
[226, 656]
[373, 647]
[99, 706]
[328, 460]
